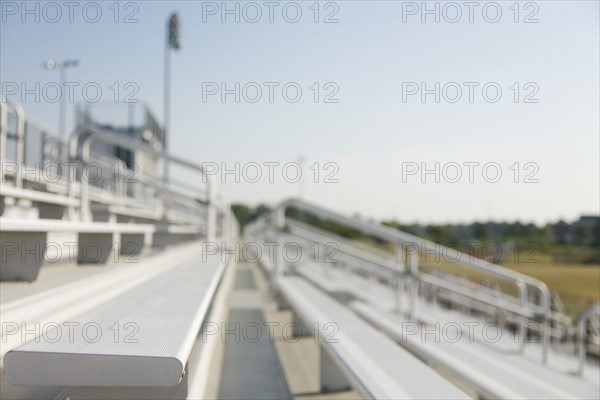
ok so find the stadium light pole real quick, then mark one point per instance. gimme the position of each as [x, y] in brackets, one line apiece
[61, 66]
[172, 43]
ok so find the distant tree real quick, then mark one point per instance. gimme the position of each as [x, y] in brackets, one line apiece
[245, 214]
[546, 237]
[261, 210]
[241, 212]
[595, 236]
[439, 234]
[480, 231]
[513, 230]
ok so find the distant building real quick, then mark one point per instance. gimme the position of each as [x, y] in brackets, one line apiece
[563, 232]
[593, 221]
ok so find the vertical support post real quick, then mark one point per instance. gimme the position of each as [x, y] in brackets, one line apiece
[63, 104]
[522, 318]
[279, 225]
[166, 108]
[43, 150]
[547, 303]
[412, 260]
[211, 217]
[85, 210]
[3, 131]
[581, 342]
[332, 379]
[398, 281]
[72, 157]
[84, 207]
[20, 144]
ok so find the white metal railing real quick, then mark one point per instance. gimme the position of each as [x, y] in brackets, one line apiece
[93, 135]
[387, 268]
[408, 247]
[167, 200]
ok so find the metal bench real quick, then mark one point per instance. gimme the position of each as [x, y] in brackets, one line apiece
[142, 338]
[494, 369]
[359, 354]
[494, 374]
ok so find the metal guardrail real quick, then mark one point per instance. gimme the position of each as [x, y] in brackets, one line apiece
[408, 246]
[582, 336]
[15, 109]
[383, 266]
[97, 135]
[178, 202]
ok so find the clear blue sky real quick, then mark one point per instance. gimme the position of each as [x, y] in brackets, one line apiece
[370, 132]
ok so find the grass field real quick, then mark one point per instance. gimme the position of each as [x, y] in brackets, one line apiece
[578, 285]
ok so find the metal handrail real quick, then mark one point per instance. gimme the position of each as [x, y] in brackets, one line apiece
[17, 109]
[344, 246]
[466, 294]
[392, 268]
[582, 334]
[3, 130]
[97, 135]
[75, 188]
[403, 240]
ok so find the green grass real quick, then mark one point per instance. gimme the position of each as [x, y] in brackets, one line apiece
[577, 284]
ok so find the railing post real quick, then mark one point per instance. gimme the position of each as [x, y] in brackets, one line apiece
[412, 261]
[523, 296]
[20, 144]
[73, 163]
[279, 225]
[3, 132]
[84, 207]
[547, 303]
[211, 217]
[398, 273]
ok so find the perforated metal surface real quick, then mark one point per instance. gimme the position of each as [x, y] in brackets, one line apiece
[140, 338]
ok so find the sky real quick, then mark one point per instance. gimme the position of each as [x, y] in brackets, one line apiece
[524, 148]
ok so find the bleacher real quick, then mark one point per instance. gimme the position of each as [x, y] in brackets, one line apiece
[106, 286]
[446, 321]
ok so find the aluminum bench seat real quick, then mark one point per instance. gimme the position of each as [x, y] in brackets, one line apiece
[495, 374]
[495, 369]
[65, 291]
[386, 298]
[164, 315]
[375, 364]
